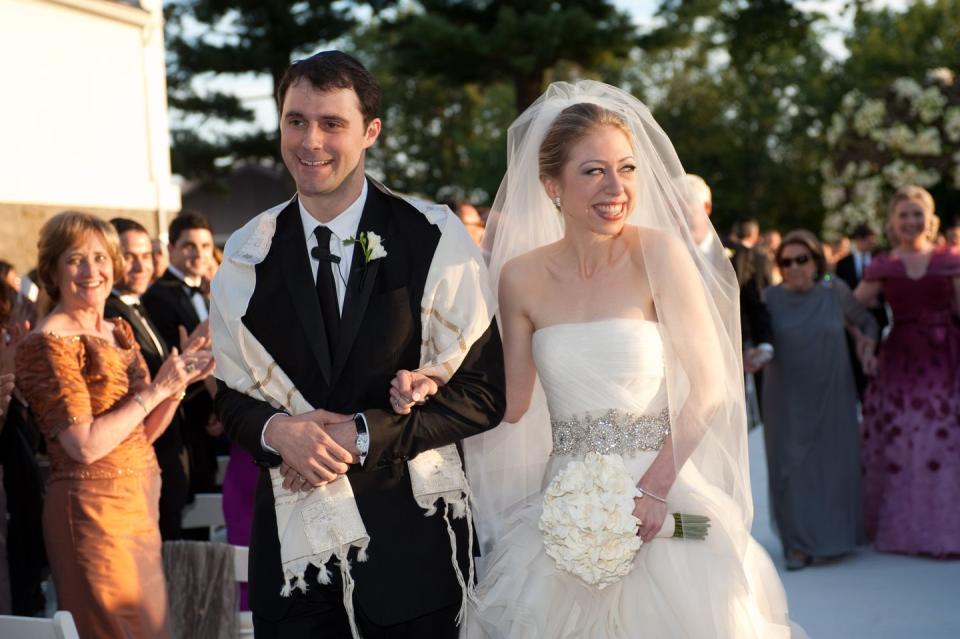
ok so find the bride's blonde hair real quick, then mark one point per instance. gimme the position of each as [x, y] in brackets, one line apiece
[572, 125]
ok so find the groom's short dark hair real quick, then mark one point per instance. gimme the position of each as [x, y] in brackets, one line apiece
[329, 70]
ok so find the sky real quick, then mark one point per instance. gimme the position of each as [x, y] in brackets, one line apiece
[256, 92]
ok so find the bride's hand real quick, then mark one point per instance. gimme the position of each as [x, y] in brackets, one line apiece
[409, 389]
[651, 514]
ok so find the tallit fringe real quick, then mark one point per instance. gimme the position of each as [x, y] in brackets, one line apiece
[460, 509]
[348, 586]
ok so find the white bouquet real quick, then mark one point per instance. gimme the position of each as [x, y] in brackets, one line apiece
[588, 525]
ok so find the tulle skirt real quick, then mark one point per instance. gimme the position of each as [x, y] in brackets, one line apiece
[723, 587]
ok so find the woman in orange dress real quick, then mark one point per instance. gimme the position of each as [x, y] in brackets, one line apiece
[90, 391]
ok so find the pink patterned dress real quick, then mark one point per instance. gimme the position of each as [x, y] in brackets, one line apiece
[911, 414]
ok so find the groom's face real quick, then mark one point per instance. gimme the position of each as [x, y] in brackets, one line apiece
[322, 140]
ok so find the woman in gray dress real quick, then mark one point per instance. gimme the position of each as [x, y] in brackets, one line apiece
[810, 406]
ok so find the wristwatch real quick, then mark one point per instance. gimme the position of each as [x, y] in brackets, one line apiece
[363, 435]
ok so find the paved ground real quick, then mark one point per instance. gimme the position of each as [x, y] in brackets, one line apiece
[867, 596]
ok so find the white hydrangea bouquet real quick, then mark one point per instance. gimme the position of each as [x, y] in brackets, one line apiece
[588, 525]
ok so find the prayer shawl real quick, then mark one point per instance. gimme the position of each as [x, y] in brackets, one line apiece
[456, 309]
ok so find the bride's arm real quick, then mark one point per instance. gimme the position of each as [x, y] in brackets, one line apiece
[519, 368]
[689, 327]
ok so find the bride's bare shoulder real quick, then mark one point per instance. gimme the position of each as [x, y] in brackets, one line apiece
[527, 270]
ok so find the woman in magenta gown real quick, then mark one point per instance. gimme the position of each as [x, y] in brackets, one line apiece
[911, 409]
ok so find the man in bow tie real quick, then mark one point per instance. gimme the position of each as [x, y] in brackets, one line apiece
[124, 302]
[176, 300]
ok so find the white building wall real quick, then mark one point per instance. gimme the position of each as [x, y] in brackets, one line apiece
[83, 116]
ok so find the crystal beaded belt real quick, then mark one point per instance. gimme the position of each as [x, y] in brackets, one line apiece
[614, 431]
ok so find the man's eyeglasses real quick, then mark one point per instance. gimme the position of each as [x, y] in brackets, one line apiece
[787, 262]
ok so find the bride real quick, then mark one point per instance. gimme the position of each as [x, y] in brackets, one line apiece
[620, 337]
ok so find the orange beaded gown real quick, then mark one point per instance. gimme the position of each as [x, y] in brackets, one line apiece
[100, 520]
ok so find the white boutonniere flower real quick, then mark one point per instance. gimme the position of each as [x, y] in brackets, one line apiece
[729, 252]
[370, 243]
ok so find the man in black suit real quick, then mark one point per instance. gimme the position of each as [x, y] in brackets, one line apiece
[339, 321]
[124, 301]
[850, 269]
[176, 300]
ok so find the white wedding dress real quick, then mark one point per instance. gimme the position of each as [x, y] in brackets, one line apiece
[677, 588]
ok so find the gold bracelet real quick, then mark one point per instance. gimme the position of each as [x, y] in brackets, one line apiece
[137, 398]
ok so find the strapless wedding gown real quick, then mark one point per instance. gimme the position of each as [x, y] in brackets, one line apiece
[677, 588]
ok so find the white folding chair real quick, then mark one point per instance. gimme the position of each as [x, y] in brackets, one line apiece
[206, 511]
[222, 461]
[60, 627]
[240, 555]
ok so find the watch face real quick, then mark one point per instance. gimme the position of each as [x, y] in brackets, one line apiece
[363, 441]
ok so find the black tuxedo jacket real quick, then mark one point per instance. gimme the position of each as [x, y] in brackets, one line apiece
[168, 306]
[141, 331]
[408, 573]
[847, 271]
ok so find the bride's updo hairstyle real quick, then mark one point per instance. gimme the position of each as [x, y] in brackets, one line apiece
[572, 125]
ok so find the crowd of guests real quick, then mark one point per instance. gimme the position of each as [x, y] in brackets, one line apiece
[107, 375]
[857, 357]
[106, 411]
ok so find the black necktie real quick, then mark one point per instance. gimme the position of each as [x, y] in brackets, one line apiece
[326, 287]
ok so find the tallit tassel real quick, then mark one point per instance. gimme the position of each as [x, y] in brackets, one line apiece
[301, 583]
[287, 589]
[472, 581]
[362, 554]
[456, 566]
[348, 585]
[323, 574]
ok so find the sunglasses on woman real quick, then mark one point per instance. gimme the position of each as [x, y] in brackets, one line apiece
[787, 262]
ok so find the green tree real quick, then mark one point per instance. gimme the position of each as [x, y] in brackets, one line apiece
[885, 44]
[741, 88]
[237, 38]
[456, 73]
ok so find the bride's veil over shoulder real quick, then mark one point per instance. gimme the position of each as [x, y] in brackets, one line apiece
[695, 294]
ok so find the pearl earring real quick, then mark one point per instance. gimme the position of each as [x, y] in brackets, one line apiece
[556, 202]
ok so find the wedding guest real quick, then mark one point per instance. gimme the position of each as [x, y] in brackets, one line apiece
[161, 258]
[911, 409]
[850, 269]
[769, 243]
[470, 217]
[810, 403]
[952, 233]
[124, 302]
[88, 386]
[22, 483]
[176, 299]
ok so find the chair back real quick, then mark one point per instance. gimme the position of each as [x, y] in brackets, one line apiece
[60, 627]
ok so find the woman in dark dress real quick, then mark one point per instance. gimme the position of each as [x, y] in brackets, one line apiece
[810, 406]
[911, 409]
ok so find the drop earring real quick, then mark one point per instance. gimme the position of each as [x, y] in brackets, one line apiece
[556, 203]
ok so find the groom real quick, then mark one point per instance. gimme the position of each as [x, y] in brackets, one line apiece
[335, 321]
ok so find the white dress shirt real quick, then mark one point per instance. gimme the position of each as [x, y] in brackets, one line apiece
[133, 301]
[343, 227]
[860, 262]
[196, 298]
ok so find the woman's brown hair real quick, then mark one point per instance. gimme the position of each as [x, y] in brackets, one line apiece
[806, 239]
[573, 124]
[63, 231]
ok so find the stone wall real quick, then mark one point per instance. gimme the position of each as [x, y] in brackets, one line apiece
[20, 224]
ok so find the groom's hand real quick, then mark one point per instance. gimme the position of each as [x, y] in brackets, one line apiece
[314, 444]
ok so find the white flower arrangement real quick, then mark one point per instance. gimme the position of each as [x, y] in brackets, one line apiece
[870, 116]
[929, 105]
[951, 124]
[909, 134]
[588, 525]
[907, 88]
[370, 243]
[587, 522]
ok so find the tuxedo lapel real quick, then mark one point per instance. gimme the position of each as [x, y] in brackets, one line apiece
[363, 275]
[182, 297]
[295, 265]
